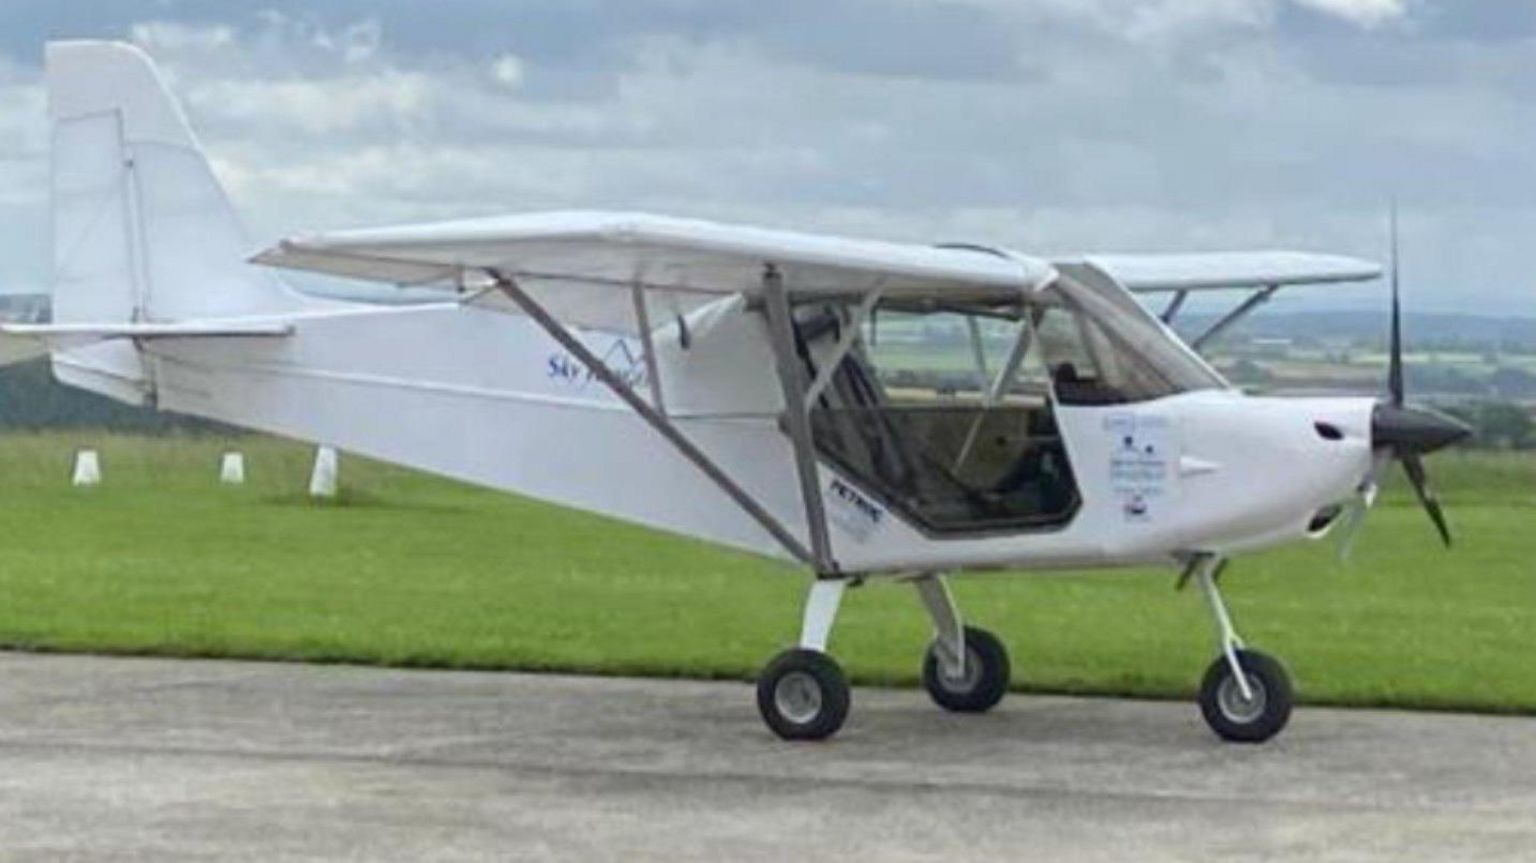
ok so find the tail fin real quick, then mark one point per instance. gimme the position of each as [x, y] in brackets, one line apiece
[142, 230]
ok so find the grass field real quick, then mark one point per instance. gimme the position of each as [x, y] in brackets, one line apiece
[410, 570]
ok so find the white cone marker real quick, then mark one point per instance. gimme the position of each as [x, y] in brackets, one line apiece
[322, 481]
[232, 468]
[87, 468]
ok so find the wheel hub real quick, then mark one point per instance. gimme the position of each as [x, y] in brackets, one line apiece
[967, 680]
[797, 696]
[1236, 708]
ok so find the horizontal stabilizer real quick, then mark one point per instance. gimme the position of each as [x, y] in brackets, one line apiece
[20, 342]
[176, 330]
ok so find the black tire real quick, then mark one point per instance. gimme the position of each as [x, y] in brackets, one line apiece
[986, 675]
[1233, 719]
[803, 695]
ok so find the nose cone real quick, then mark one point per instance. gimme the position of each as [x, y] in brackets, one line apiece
[1415, 430]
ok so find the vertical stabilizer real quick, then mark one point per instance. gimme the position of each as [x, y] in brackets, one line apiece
[142, 229]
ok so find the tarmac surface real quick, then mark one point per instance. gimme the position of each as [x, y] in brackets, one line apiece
[147, 759]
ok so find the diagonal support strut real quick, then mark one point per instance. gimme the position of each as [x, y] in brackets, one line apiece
[657, 421]
[781, 333]
[1259, 298]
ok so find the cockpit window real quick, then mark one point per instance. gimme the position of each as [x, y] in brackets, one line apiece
[947, 413]
[1129, 356]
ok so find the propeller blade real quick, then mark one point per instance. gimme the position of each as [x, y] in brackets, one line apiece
[1358, 508]
[1413, 465]
[1395, 360]
[1354, 519]
[1400, 432]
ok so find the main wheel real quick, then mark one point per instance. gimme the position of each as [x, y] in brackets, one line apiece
[803, 695]
[982, 685]
[1246, 720]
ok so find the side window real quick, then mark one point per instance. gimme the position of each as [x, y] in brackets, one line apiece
[945, 417]
[948, 356]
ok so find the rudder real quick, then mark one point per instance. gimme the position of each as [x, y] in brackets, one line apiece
[142, 228]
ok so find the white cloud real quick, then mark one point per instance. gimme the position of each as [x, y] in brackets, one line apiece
[386, 98]
[360, 42]
[508, 71]
[1367, 13]
[1153, 124]
[1158, 20]
[173, 36]
[23, 127]
[23, 161]
[1154, 20]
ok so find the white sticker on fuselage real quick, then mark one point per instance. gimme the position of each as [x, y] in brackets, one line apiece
[1143, 452]
[850, 510]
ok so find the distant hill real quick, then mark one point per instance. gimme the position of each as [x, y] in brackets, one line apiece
[1420, 330]
[1428, 330]
[30, 399]
[30, 308]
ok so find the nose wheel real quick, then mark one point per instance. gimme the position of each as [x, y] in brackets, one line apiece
[1253, 716]
[1246, 695]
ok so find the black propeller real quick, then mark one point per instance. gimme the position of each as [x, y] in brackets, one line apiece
[1409, 433]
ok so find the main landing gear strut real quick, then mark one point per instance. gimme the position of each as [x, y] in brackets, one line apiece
[803, 693]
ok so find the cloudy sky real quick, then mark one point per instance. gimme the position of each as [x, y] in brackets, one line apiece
[1043, 125]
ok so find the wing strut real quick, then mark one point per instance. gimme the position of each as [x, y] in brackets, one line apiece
[1259, 298]
[999, 387]
[864, 312]
[648, 344]
[797, 417]
[1173, 307]
[651, 415]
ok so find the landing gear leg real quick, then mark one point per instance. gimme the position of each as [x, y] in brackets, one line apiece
[803, 694]
[966, 668]
[1246, 695]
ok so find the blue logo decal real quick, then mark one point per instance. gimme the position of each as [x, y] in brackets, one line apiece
[620, 358]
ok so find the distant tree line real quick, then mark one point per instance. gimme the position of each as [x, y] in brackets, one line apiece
[1497, 424]
[31, 400]
[1367, 330]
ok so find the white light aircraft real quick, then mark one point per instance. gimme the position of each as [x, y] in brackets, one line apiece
[870, 410]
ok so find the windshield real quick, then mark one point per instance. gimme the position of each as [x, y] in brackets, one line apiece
[1130, 356]
[1077, 339]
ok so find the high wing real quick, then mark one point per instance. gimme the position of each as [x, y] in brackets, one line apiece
[1195, 272]
[585, 267]
[1263, 273]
